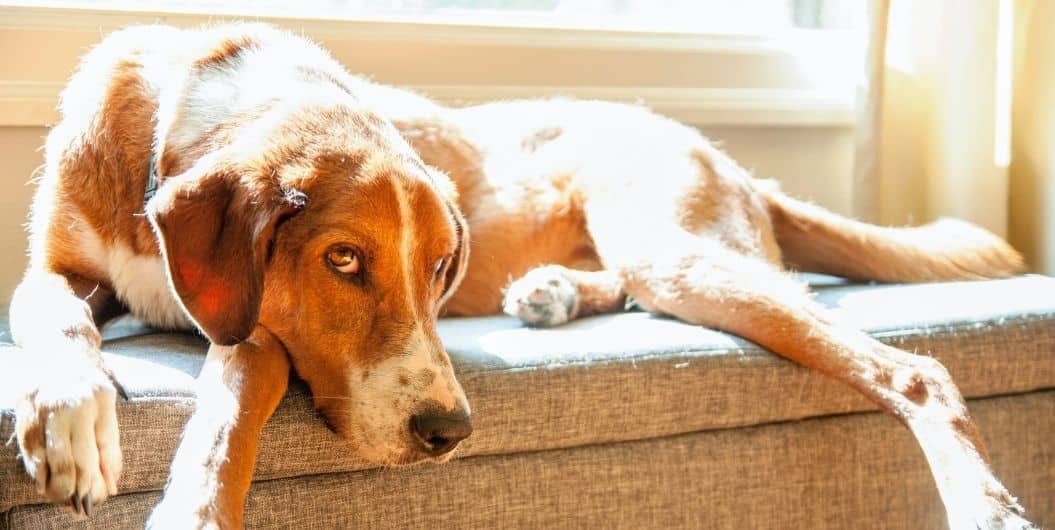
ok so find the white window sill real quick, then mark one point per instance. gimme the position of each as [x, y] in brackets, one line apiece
[800, 79]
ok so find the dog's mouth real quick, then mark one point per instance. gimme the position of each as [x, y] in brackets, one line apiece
[414, 458]
[395, 427]
[402, 454]
[373, 446]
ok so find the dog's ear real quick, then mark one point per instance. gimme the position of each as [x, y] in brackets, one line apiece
[460, 261]
[214, 228]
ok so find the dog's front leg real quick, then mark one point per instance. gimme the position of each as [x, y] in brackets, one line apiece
[238, 389]
[66, 419]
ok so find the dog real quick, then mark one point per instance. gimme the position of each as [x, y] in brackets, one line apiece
[238, 181]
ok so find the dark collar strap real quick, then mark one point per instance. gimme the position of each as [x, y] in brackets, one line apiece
[152, 182]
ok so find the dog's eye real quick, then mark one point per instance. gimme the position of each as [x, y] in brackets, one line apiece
[437, 270]
[344, 259]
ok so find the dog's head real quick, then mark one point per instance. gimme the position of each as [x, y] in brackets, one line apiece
[326, 229]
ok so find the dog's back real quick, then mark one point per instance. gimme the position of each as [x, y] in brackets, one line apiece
[574, 155]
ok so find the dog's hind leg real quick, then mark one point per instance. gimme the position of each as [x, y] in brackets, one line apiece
[553, 294]
[700, 281]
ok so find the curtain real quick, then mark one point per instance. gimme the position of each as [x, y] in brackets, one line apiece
[958, 118]
[1032, 204]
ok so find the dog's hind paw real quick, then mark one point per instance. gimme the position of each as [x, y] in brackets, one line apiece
[543, 297]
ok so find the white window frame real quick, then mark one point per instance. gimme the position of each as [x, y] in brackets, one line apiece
[801, 78]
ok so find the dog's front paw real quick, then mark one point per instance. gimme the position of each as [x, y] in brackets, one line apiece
[67, 435]
[542, 297]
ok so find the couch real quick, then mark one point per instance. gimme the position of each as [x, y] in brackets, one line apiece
[621, 421]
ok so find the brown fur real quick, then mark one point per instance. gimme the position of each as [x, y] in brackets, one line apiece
[583, 204]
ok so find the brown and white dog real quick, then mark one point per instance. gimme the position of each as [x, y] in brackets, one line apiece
[304, 217]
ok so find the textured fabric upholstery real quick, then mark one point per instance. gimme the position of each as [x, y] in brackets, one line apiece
[601, 390]
[849, 471]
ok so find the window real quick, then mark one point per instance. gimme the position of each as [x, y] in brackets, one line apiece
[774, 80]
[724, 62]
[687, 16]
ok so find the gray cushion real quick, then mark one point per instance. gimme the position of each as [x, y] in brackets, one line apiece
[610, 378]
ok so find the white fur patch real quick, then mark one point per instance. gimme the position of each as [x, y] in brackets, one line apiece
[139, 281]
[383, 404]
[407, 242]
[260, 72]
[418, 356]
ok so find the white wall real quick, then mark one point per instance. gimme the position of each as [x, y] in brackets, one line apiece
[21, 156]
[813, 163]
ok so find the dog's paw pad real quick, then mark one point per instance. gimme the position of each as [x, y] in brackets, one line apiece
[543, 297]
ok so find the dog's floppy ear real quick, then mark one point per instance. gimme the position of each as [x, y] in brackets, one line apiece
[214, 227]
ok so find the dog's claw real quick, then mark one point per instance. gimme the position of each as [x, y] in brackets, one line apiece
[75, 501]
[117, 385]
[86, 502]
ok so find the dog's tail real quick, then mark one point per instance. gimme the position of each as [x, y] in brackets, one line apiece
[815, 240]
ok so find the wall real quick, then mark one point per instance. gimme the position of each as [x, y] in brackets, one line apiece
[21, 156]
[814, 163]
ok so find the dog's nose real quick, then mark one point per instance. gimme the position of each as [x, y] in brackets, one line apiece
[439, 432]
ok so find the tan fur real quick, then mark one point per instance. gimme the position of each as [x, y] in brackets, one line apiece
[818, 241]
[551, 210]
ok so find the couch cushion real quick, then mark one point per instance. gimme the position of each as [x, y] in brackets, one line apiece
[873, 477]
[617, 377]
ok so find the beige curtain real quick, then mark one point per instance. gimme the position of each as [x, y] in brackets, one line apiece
[957, 118]
[1032, 212]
